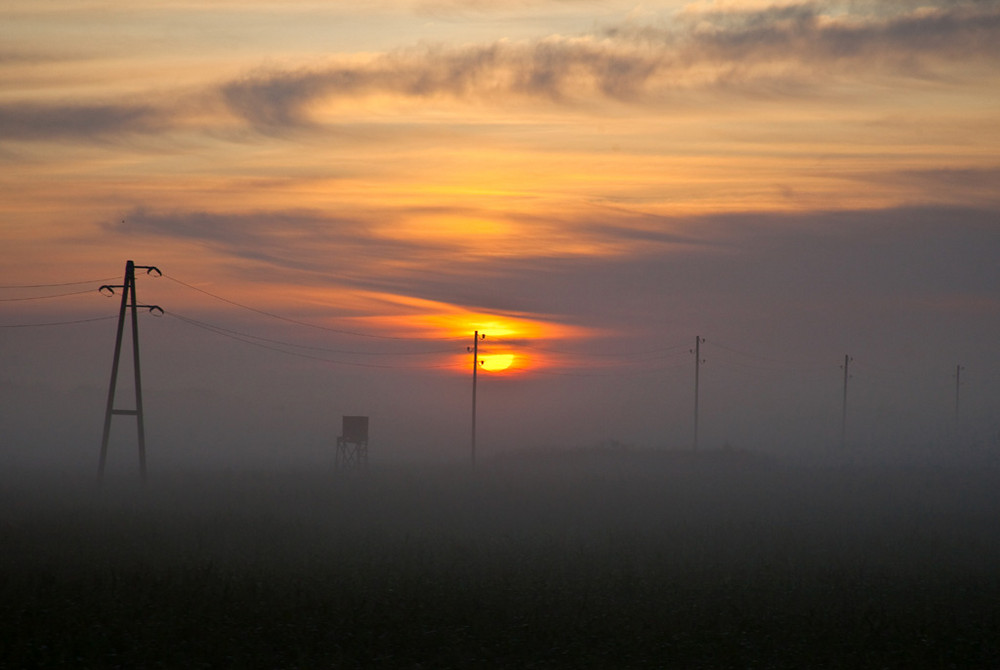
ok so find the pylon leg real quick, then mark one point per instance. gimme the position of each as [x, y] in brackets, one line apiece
[109, 408]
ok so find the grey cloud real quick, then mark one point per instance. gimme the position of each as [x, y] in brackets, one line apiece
[347, 250]
[972, 186]
[874, 257]
[880, 261]
[34, 121]
[12, 57]
[878, 256]
[828, 277]
[298, 241]
[275, 101]
[804, 33]
[555, 70]
[640, 64]
[560, 70]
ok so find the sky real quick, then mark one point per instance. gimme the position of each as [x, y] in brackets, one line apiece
[339, 195]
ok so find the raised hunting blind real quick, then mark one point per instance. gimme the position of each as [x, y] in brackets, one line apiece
[352, 444]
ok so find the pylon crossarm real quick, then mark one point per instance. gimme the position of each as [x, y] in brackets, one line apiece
[150, 269]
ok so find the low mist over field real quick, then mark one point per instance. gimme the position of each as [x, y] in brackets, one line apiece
[590, 558]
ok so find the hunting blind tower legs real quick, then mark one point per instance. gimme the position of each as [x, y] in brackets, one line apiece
[352, 445]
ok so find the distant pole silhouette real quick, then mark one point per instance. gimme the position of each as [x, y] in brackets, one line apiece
[843, 410]
[475, 369]
[958, 385]
[697, 372]
[128, 301]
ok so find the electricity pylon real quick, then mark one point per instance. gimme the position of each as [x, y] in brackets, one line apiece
[128, 302]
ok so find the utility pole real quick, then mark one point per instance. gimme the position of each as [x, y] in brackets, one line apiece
[475, 369]
[843, 411]
[958, 385]
[697, 371]
[128, 302]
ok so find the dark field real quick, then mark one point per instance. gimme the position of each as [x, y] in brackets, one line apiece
[644, 561]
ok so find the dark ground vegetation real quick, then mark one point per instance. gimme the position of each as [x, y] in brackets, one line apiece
[551, 562]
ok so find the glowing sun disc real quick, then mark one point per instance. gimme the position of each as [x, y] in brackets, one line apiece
[496, 362]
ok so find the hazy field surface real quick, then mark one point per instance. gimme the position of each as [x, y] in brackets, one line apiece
[539, 562]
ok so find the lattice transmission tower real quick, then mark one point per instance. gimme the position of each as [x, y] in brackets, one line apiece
[128, 302]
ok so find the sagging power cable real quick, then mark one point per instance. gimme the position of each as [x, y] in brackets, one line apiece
[306, 323]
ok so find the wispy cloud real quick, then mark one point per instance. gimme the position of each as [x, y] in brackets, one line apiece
[640, 64]
[307, 241]
[786, 50]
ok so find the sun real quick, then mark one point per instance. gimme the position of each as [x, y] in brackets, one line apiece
[496, 362]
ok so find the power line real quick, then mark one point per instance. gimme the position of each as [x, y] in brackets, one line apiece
[246, 339]
[222, 329]
[768, 359]
[56, 323]
[634, 372]
[46, 297]
[276, 344]
[633, 362]
[623, 354]
[305, 323]
[65, 283]
[802, 371]
[879, 368]
[553, 373]
[626, 363]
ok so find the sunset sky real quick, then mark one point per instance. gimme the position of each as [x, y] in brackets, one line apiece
[339, 194]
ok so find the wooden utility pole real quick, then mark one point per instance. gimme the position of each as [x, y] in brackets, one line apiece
[697, 372]
[475, 369]
[128, 302]
[958, 385]
[843, 410]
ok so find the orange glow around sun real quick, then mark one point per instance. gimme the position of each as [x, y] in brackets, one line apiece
[506, 342]
[507, 347]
